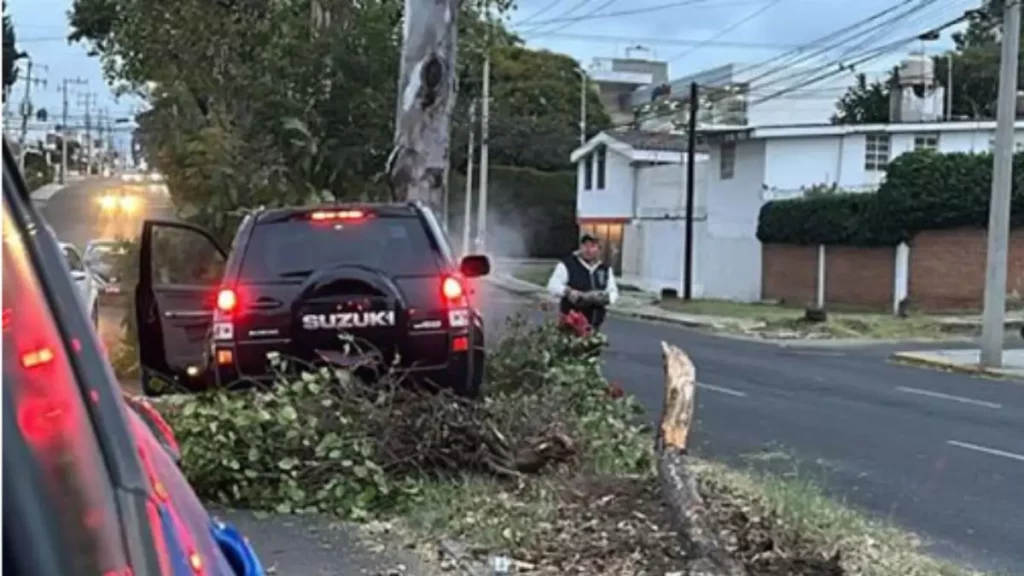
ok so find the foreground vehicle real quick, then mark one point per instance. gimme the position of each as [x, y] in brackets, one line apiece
[295, 281]
[90, 482]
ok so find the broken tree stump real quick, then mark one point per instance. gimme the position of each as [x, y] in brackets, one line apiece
[678, 478]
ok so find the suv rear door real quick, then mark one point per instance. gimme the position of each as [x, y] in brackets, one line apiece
[180, 269]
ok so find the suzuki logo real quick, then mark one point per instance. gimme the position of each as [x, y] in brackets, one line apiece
[343, 320]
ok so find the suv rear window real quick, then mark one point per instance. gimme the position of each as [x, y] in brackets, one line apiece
[397, 246]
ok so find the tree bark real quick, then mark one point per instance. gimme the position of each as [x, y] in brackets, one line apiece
[426, 98]
[678, 478]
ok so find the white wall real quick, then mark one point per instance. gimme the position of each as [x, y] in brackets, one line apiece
[616, 199]
[792, 163]
[727, 252]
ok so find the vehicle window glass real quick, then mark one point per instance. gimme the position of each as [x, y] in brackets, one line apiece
[185, 257]
[397, 246]
[52, 416]
[442, 235]
[74, 262]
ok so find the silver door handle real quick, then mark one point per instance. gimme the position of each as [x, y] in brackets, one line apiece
[188, 313]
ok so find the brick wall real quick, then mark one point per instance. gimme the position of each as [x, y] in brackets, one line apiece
[859, 277]
[947, 272]
[947, 269]
[789, 273]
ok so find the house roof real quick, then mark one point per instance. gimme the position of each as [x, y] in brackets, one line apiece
[809, 130]
[638, 145]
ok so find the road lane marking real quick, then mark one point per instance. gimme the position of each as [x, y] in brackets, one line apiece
[992, 451]
[722, 390]
[949, 397]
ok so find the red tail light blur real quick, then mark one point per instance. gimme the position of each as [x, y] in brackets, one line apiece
[453, 292]
[227, 300]
[323, 215]
[146, 410]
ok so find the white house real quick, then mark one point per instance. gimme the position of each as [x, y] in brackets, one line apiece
[631, 193]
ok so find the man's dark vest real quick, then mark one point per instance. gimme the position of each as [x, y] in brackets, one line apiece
[582, 279]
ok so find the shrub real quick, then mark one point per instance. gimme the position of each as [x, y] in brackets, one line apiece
[321, 439]
[923, 190]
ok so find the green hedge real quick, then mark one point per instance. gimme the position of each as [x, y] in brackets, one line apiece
[923, 190]
[538, 208]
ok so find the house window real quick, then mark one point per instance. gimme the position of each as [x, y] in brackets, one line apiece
[600, 153]
[727, 161]
[926, 142]
[876, 154]
[588, 172]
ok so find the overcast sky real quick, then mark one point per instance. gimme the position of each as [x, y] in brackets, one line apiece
[691, 34]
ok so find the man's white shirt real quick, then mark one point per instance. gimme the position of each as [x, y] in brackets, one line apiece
[559, 280]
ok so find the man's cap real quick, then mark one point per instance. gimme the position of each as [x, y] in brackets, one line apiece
[588, 238]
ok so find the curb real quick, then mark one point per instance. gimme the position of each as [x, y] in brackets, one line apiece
[914, 359]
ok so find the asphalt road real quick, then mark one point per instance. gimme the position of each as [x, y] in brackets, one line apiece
[940, 454]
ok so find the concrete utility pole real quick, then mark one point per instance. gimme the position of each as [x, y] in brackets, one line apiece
[426, 98]
[467, 219]
[88, 98]
[485, 167]
[994, 315]
[583, 106]
[27, 111]
[64, 124]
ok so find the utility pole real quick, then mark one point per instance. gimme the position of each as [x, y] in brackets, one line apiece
[993, 330]
[583, 107]
[64, 124]
[26, 111]
[467, 218]
[691, 160]
[485, 135]
[949, 86]
[89, 98]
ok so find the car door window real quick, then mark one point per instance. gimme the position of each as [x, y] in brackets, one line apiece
[74, 262]
[51, 415]
[182, 256]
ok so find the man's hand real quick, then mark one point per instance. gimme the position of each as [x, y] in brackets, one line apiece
[573, 295]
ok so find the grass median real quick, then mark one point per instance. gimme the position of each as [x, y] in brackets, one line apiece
[553, 470]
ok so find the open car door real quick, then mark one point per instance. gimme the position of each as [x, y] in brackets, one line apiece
[180, 270]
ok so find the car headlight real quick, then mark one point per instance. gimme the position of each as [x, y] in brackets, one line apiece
[108, 202]
[129, 203]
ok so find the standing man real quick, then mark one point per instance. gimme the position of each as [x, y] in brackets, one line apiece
[585, 283]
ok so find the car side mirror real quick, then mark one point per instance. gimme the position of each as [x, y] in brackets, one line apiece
[475, 266]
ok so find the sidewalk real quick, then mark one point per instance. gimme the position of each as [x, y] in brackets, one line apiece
[645, 306]
[965, 361]
[631, 304]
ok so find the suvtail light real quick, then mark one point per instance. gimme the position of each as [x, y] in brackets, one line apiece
[322, 215]
[452, 290]
[227, 300]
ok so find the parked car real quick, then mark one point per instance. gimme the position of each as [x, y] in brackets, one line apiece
[91, 485]
[85, 281]
[102, 256]
[293, 280]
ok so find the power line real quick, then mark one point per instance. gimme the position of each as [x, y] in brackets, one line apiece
[630, 12]
[606, 4]
[612, 39]
[770, 4]
[543, 10]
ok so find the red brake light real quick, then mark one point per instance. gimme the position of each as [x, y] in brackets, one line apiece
[227, 300]
[42, 419]
[337, 215]
[452, 290]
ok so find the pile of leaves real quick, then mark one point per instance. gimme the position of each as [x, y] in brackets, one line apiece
[324, 439]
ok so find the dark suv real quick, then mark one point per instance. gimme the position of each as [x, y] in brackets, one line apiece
[299, 281]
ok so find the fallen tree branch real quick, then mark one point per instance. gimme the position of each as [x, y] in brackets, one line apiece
[678, 478]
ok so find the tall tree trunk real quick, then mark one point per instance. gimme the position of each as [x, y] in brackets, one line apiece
[426, 98]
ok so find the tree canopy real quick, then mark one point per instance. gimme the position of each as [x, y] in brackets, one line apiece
[11, 53]
[257, 103]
